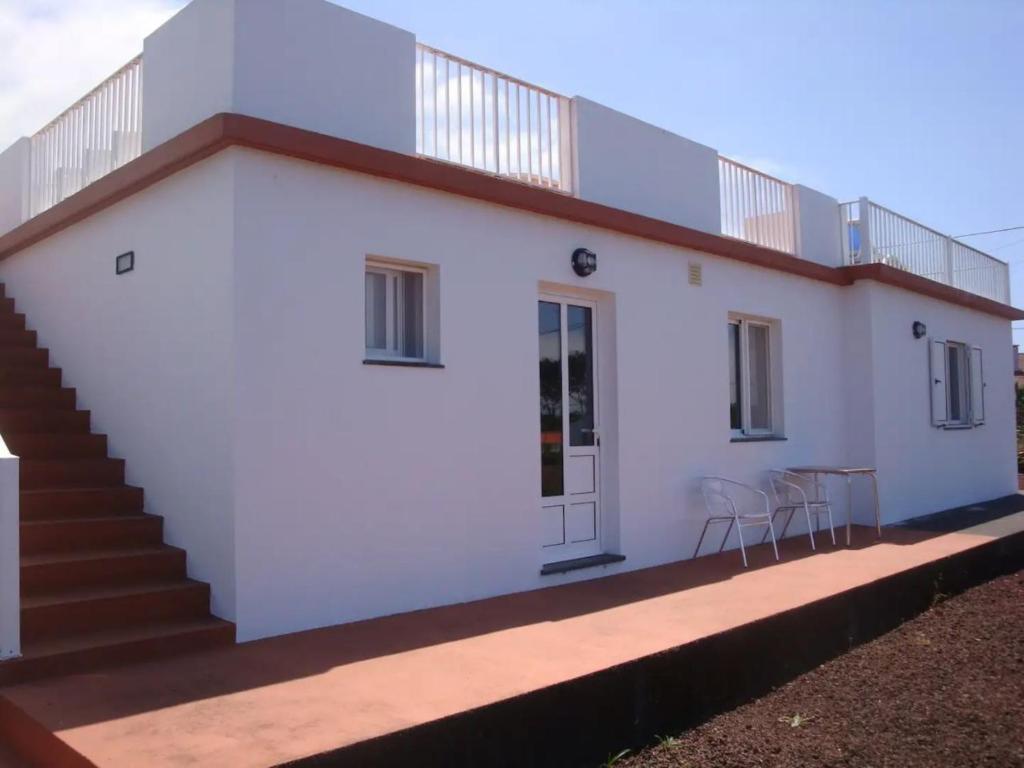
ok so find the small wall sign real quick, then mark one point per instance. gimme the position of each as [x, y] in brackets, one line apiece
[125, 262]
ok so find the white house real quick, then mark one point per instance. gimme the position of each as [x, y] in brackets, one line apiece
[331, 294]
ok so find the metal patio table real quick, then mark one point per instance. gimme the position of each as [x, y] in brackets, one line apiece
[849, 473]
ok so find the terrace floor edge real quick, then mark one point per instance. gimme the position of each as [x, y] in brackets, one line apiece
[629, 706]
[526, 682]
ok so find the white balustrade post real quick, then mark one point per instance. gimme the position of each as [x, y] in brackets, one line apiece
[15, 186]
[10, 553]
[568, 163]
[949, 260]
[864, 253]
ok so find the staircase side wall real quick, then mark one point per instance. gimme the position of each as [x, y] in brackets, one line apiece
[10, 572]
[150, 351]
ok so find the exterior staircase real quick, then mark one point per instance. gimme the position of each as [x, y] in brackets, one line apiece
[98, 584]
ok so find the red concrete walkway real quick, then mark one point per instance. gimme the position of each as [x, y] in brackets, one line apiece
[276, 700]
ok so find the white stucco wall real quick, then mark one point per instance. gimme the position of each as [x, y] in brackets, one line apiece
[627, 163]
[150, 351]
[188, 70]
[307, 63]
[927, 469]
[14, 184]
[321, 67]
[311, 489]
[366, 490]
[817, 227]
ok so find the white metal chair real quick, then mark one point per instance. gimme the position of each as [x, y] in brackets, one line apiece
[792, 491]
[720, 498]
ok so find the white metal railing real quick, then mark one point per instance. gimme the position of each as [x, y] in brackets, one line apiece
[873, 234]
[979, 273]
[477, 117]
[100, 132]
[756, 207]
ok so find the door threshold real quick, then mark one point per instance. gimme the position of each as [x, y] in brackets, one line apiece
[592, 561]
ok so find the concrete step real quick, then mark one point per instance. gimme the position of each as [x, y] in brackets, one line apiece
[100, 609]
[56, 571]
[24, 357]
[91, 534]
[42, 420]
[57, 445]
[39, 377]
[77, 503]
[17, 337]
[87, 651]
[12, 320]
[39, 397]
[71, 473]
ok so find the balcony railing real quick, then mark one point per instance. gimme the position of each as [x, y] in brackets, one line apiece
[100, 132]
[756, 207]
[477, 117]
[873, 234]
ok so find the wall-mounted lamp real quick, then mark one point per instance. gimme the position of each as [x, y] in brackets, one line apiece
[124, 263]
[919, 329]
[584, 262]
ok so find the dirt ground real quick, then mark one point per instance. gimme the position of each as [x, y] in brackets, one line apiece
[946, 689]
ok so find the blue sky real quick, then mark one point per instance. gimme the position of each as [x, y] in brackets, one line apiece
[917, 105]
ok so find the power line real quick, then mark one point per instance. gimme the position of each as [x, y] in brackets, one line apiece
[991, 231]
[1006, 245]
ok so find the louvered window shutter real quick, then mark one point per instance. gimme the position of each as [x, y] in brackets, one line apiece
[937, 380]
[977, 387]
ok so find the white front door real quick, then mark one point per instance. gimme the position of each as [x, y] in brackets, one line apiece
[570, 442]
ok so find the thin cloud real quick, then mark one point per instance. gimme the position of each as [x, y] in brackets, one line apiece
[767, 165]
[788, 172]
[52, 52]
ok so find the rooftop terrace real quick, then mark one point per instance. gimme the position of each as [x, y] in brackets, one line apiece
[471, 115]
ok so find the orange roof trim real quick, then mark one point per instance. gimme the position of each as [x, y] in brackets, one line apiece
[226, 130]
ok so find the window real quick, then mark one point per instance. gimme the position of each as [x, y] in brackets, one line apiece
[394, 312]
[735, 401]
[751, 396]
[957, 385]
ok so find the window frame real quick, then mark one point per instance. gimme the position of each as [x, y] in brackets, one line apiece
[745, 430]
[394, 312]
[736, 359]
[962, 385]
[969, 384]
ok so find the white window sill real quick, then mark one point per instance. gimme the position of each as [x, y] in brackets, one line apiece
[758, 439]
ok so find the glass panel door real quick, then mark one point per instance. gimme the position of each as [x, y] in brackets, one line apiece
[569, 434]
[551, 457]
[581, 375]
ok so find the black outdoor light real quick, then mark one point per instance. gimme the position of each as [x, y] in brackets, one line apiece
[584, 262]
[919, 329]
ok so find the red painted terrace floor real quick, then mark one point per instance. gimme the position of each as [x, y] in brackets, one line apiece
[272, 701]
